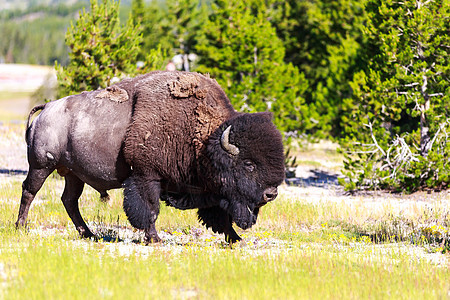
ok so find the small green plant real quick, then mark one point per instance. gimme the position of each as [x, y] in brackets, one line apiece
[436, 237]
[290, 161]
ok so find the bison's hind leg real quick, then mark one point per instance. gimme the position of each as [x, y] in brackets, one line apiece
[72, 192]
[219, 221]
[31, 185]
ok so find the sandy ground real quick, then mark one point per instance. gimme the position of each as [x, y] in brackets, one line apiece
[13, 149]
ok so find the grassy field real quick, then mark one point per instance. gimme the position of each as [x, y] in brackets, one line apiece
[298, 249]
[311, 243]
[14, 105]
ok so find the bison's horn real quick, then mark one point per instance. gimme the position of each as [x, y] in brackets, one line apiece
[224, 141]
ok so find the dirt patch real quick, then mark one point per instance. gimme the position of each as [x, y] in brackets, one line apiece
[186, 86]
[114, 93]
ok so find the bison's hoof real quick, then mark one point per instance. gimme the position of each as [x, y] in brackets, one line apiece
[85, 233]
[232, 238]
[20, 224]
[152, 239]
[104, 197]
[151, 236]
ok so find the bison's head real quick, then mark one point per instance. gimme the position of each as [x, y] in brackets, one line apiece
[245, 165]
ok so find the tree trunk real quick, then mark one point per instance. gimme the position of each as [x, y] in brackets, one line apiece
[424, 135]
[424, 129]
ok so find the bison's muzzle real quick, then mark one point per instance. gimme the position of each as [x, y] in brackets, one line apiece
[269, 195]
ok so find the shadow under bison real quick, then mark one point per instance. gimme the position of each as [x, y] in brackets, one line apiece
[319, 178]
[13, 172]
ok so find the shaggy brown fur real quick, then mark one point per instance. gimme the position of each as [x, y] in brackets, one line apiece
[174, 114]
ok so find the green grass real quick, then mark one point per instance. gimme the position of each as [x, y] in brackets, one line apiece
[298, 249]
[8, 95]
[9, 101]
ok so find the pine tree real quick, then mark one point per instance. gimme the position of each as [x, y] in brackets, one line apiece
[404, 98]
[137, 11]
[101, 50]
[324, 39]
[182, 25]
[240, 48]
[174, 25]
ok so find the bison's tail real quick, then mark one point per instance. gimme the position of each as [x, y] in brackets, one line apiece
[32, 112]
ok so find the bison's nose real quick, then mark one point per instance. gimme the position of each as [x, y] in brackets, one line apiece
[270, 194]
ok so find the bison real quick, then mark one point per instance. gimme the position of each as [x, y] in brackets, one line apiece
[171, 136]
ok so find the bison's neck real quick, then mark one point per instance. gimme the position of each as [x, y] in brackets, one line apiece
[208, 120]
[170, 127]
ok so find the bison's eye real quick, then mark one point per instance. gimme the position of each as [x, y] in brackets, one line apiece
[249, 165]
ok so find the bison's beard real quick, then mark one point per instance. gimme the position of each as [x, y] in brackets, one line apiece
[241, 213]
[244, 215]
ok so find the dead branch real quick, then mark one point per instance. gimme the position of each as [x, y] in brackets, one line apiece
[374, 138]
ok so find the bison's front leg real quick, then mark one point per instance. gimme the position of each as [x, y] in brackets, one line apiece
[190, 201]
[141, 204]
